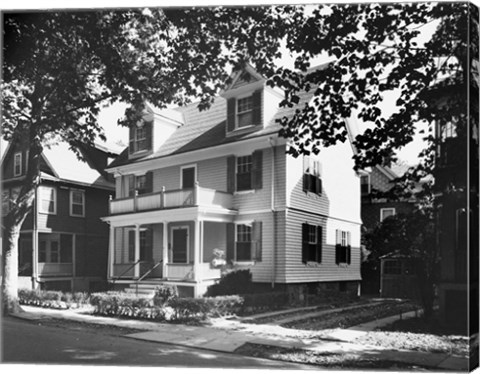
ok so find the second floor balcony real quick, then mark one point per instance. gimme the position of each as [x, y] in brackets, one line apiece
[197, 196]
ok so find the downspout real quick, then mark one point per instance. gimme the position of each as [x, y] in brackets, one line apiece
[272, 208]
[35, 242]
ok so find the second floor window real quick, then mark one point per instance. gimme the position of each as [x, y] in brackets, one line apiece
[386, 212]
[244, 173]
[17, 164]
[77, 203]
[48, 200]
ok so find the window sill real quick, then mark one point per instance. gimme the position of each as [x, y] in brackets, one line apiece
[343, 264]
[244, 263]
[50, 213]
[244, 192]
[312, 264]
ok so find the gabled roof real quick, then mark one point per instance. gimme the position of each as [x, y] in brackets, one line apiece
[65, 166]
[204, 129]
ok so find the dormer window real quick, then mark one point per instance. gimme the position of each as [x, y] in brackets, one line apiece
[244, 111]
[140, 137]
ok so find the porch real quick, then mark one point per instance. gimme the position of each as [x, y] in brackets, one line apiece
[197, 196]
[178, 252]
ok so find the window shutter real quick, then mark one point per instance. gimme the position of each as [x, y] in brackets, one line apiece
[257, 238]
[304, 242]
[257, 158]
[257, 107]
[319, 243]
[231, 114]
[149, 134]
[349, 254]
[231, 174]
[318, 185]
[149, 244]
[131, 146]
[338, 241]
[149, 182]
[131, 246]
[131, 185]
[230, 241]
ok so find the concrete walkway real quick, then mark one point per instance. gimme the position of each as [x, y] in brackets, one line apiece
[226, 335]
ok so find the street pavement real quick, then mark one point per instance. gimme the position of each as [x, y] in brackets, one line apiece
[228, 335]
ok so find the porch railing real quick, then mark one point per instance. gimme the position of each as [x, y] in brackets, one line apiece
[114, 279]
[198, 196]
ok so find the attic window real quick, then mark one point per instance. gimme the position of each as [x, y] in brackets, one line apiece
[244, 111]
[140, 137]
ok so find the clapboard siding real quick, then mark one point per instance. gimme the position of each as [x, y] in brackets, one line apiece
[261, 199]
[327, 270]
[96, 206]
[340, 197]
[262, 270]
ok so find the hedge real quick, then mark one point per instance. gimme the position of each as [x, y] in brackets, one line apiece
[176, 309]
[53, 299]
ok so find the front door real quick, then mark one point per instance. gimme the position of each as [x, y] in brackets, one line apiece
[180, 245]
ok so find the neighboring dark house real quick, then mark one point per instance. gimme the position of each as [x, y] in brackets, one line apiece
[63, 243]
[375, 209]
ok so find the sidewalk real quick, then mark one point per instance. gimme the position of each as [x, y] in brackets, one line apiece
[227, 335]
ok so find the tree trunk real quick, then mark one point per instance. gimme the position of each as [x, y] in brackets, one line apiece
[10, 270]
[13, 223]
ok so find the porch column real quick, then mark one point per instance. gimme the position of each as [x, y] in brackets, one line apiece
[196, 252]
[111, 251]
[165, 250]
[137, 250]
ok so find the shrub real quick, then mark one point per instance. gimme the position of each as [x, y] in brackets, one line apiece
[232, 283]
[52, 299]
[164, 293]
[187, 309]
[119, 304]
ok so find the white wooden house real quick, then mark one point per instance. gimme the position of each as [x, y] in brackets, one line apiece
[192, 183]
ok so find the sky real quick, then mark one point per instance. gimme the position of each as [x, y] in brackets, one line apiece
[109, 116]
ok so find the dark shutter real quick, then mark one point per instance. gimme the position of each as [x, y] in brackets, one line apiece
[231, 174]
[349, 254]
[304, 242]
[318, 185]
[131, 185]
[149, 182]
[131, 246]
[257, 171]
[338, 248]
[131, 146]
[257, 107]
[231, 113]
[257, 240]
[149, 134]
[230, 241]
[319, 243]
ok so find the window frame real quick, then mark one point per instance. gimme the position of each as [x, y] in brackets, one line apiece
[244, 173]
[137, 140]
[48, 252]
[383, 210]
[40, 200]
[83, 205]
[369, 185]
[187, 255]
[343, 247]
[248, 233]
[311, 173]
[238, 113]
[313, 242]
[17, 164]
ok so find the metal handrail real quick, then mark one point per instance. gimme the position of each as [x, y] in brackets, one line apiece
[125, 272]
[144, 275]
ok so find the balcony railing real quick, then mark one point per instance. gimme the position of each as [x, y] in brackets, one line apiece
[197, 196]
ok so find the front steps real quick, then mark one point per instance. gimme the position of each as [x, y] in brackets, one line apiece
[145, 288]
